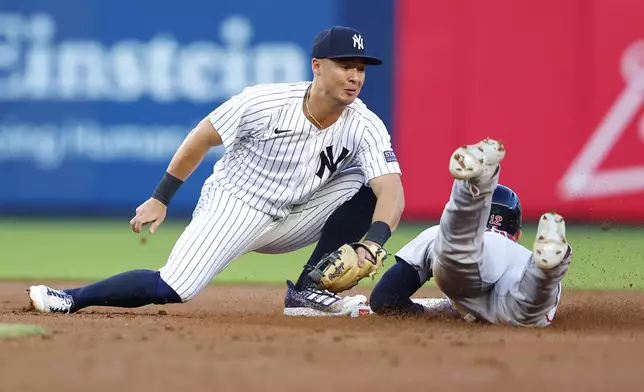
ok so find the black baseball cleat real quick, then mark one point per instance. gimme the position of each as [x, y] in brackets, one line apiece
[311, 302]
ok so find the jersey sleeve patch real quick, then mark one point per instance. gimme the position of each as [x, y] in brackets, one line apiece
[390, 156]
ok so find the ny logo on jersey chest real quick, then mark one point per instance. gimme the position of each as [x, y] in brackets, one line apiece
[327, 161]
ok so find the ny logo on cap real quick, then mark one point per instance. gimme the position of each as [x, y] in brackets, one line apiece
[357, 41]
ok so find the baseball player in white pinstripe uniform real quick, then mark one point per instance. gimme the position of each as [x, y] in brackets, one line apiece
[304, 162]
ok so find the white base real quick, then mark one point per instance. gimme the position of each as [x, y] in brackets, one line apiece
[308, 312]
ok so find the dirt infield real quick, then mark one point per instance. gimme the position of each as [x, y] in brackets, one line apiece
[235, 338]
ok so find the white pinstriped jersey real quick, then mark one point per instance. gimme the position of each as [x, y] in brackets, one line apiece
[276, 158]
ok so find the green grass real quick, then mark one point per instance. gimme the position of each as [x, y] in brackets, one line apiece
[8, 331]
[94, 249]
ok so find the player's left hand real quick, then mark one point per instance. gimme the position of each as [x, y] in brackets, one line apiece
[363, 255]
[151, 211]
[344, 268]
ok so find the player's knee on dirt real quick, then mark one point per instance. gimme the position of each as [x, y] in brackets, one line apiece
[150, 287]
[166, 293]
[391, 296]
[184, 285]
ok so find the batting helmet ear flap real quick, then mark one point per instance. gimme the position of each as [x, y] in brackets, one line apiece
[505, 211]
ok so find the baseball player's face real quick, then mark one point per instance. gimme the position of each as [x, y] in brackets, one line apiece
[343, 79]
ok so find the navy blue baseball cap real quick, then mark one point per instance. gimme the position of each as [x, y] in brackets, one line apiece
[339, 42]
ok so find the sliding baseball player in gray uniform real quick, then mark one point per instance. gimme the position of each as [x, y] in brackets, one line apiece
[474, 256]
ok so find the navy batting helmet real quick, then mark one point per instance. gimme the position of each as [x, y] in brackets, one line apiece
[505, 214]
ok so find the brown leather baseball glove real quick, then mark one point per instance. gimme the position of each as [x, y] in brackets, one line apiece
[340, 271]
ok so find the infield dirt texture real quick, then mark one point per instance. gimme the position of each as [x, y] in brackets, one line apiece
[234, 338]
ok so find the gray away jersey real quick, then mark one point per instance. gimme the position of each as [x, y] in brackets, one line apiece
[500, 255]
[276, 158]
[503, 266]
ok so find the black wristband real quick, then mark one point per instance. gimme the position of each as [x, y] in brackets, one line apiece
[166, 189]
[379, 232]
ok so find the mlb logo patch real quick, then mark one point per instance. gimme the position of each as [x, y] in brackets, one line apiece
[390, 156]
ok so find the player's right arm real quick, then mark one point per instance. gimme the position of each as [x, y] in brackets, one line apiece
[188, 156]
[222, 126]
[193, 149]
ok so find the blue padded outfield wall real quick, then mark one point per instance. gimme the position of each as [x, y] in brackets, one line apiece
[95, 96]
